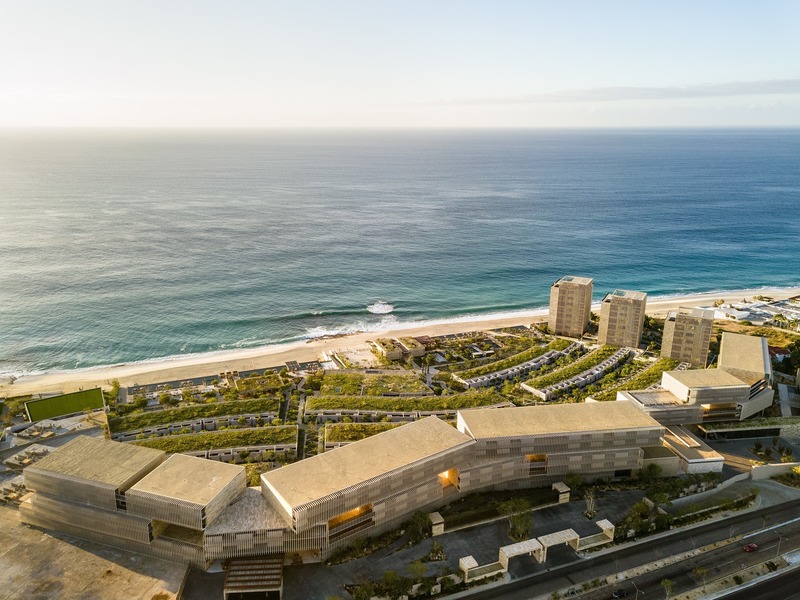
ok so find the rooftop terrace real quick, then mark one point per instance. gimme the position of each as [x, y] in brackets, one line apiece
[625, 294]
[574, 280]
[655, 397]
[706, 378]
[700, 313]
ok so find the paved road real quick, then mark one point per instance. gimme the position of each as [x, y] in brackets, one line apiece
[782, 587]
[729, 560]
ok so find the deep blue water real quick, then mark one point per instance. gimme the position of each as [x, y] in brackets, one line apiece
[126, 246]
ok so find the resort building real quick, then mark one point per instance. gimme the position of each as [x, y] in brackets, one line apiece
[537, 446]
[388, 349]
[372, 484]
[412, 347]
[622, 318]
[130, 497]
[739, 388]
[197, 511]
[570, 306]
[687, 334]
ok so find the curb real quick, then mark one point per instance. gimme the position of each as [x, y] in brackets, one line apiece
[751, 583]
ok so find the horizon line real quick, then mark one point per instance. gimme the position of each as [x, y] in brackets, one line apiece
[255, 128]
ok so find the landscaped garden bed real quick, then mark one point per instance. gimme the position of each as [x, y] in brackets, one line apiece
[352, 432]
[233, 438]
[142, 420]
[486, 506]
[469, 399]
[368, 384]
[575, 368]
[512, 361]
[640, 381]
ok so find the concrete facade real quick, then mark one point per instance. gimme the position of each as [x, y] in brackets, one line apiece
[570, 306]
[130, 497]
[739, 388]
[388, 349]
[622, 318]
[687, 334]
[196, 511]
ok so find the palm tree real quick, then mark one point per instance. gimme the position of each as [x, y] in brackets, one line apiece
[780, 320]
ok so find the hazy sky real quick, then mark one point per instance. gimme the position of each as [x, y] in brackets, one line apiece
[337, 63]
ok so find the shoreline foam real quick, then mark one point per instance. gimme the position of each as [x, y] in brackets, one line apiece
[209, 363]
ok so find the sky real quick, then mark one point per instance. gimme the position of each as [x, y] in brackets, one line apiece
[387, 64]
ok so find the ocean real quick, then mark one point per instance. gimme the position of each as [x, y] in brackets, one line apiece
[124, 246]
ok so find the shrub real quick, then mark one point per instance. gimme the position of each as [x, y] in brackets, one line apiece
[267, 436]
[185, 413]
[469, 399]
[351, 432]
[641, 381]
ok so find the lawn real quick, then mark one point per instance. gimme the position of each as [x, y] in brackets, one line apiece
[65, 404]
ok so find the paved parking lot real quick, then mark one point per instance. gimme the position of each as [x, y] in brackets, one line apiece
[39, 566]
[483, 542]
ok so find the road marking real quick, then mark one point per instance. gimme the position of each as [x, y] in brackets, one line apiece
[773, 527]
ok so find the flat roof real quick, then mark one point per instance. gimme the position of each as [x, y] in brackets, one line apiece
[555, 418]
[625, 294]
[188, 478]
[324, 474]
[744, 352]
[100, 460]
[689, 446]
[250, 512]
[706, 378]
[699, 313]
[574, 280]
[656, 397]
[558, 538]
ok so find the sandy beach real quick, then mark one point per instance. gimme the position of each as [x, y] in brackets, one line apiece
[209, 364]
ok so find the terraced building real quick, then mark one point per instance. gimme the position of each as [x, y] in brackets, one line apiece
[197, 511]
[737, 389]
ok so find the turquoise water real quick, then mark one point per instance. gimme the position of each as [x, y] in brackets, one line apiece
[129, 246]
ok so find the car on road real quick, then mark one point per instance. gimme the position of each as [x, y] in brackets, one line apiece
[750, 548]
[620, 594]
